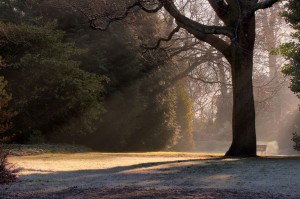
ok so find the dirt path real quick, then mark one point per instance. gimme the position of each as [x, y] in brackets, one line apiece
[153, 175]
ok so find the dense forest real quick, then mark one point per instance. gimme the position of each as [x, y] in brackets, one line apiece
[66, 83]
[124, 89]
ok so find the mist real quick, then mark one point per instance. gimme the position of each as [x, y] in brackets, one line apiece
[274, 131]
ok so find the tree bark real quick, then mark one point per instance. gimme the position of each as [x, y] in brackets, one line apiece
[243, 115]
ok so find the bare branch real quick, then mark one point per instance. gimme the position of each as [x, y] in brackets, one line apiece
[188, 70]
[265, 4]
[221, 8]
[93, 19]
[162, 39]
[214, 41]
[207, 81]
[185, 22]
[138, 3]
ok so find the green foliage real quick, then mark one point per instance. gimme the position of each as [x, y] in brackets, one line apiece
[5, 114]
[139, 120]
[291, 50]
[184, 117]
[23, 43]
[158, 128]
[6, 175]
[52, 93]
[292, 14]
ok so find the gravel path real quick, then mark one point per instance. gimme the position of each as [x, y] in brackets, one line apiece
[153, 175]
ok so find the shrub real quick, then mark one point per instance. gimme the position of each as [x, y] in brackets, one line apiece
[7, 174]
[296, 139]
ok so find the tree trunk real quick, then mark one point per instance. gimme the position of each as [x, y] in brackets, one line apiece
[243, 115]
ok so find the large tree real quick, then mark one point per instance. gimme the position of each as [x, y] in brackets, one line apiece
[234, 39]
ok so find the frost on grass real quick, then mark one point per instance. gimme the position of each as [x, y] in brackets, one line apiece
[55, 173]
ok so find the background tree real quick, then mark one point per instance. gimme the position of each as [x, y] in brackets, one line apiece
[6, 175]
[44, 79]
[210, 78]
[5, 115]
[236, 45]
[291, 51]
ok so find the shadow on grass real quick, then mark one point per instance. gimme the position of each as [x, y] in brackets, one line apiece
[208, 175]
